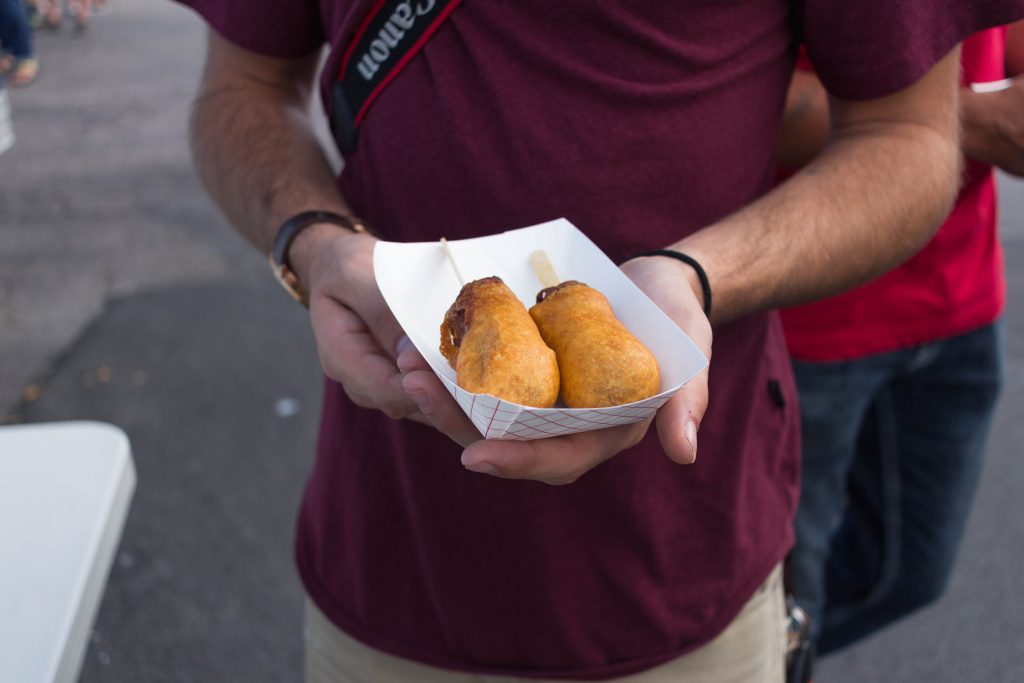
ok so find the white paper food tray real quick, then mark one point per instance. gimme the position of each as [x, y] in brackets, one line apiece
[419, 284]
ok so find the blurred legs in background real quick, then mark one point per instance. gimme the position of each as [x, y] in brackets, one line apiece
[48, 13]
[81, 10]
[893, 447]
[17, 61]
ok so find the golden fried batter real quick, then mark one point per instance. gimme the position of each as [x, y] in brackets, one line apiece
[495, 348]
[602, 364]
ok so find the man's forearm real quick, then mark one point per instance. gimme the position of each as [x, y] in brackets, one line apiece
[260, 161]
[856, 212]
[254, 148]
[873, 197]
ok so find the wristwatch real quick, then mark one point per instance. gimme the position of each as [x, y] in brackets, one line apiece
[287, 233]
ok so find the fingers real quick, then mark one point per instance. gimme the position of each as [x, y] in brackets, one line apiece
[409, 358]
[388, 333]
[344, 276]
[434, 400]
[350, 354]
[436, 404]
[559, 460]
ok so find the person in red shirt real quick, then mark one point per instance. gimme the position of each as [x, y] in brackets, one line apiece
[898, 379]
[429, 553]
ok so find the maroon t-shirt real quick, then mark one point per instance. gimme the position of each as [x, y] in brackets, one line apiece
[640, 122]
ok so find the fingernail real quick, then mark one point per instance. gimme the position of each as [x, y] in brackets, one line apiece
[483, 467]
[420, 398]
[690, 434]
[403, 344]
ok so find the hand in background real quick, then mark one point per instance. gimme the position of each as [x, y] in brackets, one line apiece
[993, 126]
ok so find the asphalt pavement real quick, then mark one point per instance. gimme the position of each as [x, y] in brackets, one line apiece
[125, 297]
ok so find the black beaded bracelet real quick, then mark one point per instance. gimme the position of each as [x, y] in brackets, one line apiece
[705, 284]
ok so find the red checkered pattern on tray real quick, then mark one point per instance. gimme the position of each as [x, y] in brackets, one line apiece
[498, 419]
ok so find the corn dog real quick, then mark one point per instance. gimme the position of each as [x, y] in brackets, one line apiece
[488, 337]
[601, 363]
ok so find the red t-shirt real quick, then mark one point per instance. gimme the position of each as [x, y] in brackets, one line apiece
[953, 285]
[640, 122]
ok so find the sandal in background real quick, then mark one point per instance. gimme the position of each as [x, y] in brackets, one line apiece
[25, 72]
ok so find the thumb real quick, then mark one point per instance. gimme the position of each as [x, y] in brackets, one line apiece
[678, 421]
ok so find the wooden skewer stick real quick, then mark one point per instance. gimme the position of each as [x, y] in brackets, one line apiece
[542, 268]
[451, 260]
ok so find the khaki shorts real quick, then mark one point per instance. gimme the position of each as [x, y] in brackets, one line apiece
[750, 650]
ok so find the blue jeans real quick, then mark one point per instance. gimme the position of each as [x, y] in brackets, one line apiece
[15, 33]
[893, 446]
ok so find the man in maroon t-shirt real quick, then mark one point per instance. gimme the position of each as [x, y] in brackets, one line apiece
[649, 125]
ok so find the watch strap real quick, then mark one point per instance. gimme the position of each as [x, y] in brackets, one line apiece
[291, 228]
[287, 233]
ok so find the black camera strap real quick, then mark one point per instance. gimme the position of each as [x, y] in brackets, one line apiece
[388, 38]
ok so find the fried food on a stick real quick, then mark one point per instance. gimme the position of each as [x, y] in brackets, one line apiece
[602, 364]
[495, 348]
